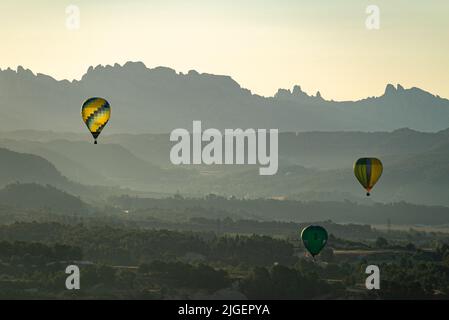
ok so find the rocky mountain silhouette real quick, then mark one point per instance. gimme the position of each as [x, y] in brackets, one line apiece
[158, 100]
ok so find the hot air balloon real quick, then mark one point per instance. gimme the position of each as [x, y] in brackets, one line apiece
[96, 113]
[368, 172]
[314, 239]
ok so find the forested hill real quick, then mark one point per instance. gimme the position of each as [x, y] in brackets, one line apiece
[287, 210]
[44, 198]
[23, 167]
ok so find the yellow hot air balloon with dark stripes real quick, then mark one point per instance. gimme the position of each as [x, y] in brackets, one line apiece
[96, 113]
[368, 172]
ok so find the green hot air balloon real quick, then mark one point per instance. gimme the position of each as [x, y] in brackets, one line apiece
[314, 239]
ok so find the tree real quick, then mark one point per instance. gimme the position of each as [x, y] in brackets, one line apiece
[381, 242]
[327, 254]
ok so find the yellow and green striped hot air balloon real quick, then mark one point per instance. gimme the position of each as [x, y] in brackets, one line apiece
[96, 113]
[368, 172]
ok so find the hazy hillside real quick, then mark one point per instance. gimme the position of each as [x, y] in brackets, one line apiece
[103, 164]
[71, 168]
[311, 149]
[321, 150]
[27, 168]
[158, 100]
[297, 211]
[38, 197]
[313, 165]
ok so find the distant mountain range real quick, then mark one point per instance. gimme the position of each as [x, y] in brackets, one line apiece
[313, 166]
[43, 140]
[158, 100]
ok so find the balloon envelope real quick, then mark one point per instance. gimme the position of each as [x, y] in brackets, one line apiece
[368, 172]
[314, 239]
[96, 113]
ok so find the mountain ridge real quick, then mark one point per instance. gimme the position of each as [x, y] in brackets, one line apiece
[159, 100]
[139, 66]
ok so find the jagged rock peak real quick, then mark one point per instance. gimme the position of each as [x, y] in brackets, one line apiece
[193, 73]
[297, 90]
[390, 89]
[22, 71]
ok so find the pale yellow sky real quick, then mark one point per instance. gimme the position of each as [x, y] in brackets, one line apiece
[264, 45]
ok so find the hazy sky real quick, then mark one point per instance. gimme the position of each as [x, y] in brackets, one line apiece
[264, 45]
